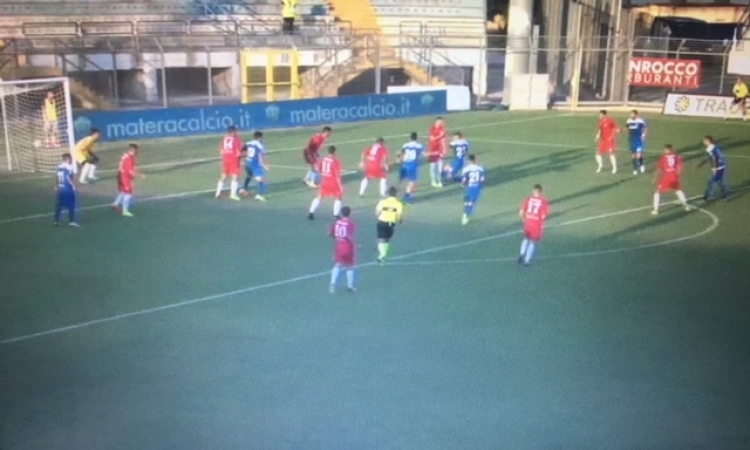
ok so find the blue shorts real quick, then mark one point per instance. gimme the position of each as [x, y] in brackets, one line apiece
[472, 194]
[409, 173]
[636, 147]
[258, 171]
[458, 166]
[718, 176]
[66, 199]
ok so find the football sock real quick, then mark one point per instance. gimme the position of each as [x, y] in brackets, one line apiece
[434, 174]
[219, 187]
[92, 170]
[407, 196]
[363, 186]
[613, 160]
[262, 188]
[71, 214]
[58, 212]
[233, 186]
[85, 172]
[350, 278]
[636, 164]
[246, 185]
[316, 177]
[640, 161]
[383, 249]
[126, 202]
[524, 245]
[599, 161]
[383, 187]
[335, 274]
[681, 197]
[468, 209]
[529, 252]
[439, 168]
[118, 200]
[657, 200]
[336, 207]
[314, 205]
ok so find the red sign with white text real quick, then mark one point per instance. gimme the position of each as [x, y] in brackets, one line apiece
[665, 72]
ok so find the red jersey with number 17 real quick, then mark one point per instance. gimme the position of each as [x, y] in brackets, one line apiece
[534, 211]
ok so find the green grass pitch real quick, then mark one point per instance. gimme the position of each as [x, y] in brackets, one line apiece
[207, 324]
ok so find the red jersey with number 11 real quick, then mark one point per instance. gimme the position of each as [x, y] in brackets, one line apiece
[330, 171]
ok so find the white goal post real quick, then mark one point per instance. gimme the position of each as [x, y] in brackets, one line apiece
[36, 124]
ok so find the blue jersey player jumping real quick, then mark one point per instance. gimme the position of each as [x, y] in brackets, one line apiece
[66, 191]
[410, 156]
[718, 170]
[460, 148]
[637, 139]
[472, 177]
[255, 166]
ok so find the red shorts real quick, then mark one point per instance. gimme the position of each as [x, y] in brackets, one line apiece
[344, 254]
[670, 183]
[310, 157]
[231, 166]
[125, 185]
[533, 232]
[607, 146]
[436, 153]
[331, 191]
[375, 172]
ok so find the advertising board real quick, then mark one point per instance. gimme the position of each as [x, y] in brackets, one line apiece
[664, 72]
[174, 122]
[701, 106]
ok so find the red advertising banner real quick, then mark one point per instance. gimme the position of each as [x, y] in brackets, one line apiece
[665, 72]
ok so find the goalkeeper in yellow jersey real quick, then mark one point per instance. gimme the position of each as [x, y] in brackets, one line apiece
[741, 93]
[85, 156]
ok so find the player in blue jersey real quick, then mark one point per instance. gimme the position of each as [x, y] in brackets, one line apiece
[255, 166]
[410, 156]
[718, 170]
[460, 148]
[472, 177]
[66, 190]
[637, 138]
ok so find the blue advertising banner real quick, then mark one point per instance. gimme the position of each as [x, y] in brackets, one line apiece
[158, 123]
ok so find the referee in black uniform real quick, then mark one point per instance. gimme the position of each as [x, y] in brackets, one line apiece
[389, 211]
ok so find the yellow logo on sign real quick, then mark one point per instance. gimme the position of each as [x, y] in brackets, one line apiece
[682, 104]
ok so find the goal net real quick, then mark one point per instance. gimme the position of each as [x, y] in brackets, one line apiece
[36, 124]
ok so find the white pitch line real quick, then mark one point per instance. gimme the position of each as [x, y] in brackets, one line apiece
[287, 281]
[299, 149]
[712, 227]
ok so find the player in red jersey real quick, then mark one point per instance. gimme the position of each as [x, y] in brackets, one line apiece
[329, 168]
[437, 151]
[375, 163]
[126, 174]
[342, 231]
[534, 212]
[668, 177]
[607, 138]
[311, 153]
[231, 152]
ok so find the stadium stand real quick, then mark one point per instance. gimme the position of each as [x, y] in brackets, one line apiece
[739, 56]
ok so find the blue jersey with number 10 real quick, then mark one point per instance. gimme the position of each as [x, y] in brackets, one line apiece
[636, 133]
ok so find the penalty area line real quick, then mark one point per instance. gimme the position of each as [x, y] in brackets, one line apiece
[287, 281]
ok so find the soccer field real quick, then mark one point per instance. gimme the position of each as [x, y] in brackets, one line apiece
[207, 324]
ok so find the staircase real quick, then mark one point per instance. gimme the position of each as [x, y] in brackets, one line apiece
[88, 98]
[368, 52]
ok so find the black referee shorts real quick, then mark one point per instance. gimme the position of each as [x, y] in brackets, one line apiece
[92, 159]
[739, 100]
[385, 230]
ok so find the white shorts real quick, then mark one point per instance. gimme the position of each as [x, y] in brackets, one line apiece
[51, 126]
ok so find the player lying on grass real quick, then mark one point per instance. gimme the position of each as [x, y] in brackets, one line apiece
[66, 190]
[718, 170]
[460, 147]
[472, 177]
[607, 138]
[375, 165]
[311, 155]
[126, 174]
[330, 183]
[231, 152]
[255, 166]
[389, 212]
[534, 212]
[410, 158]
[668, 177]
[85, 156]
[343, 230]
[637, 140]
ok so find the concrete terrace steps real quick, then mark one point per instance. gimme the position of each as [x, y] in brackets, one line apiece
[88, 98]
